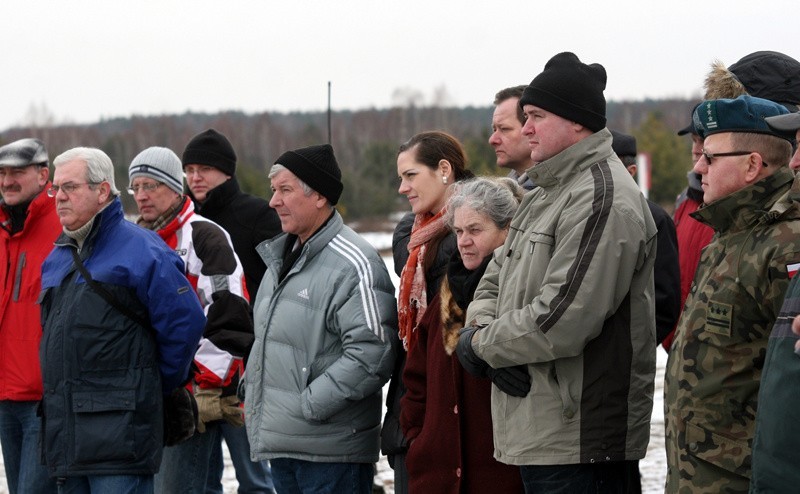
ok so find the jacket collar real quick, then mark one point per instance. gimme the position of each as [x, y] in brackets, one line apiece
[103, 222]
[271, 251]
[185, 212]
[219, 197]
[765, 201]
[573, 160]
[40, 206]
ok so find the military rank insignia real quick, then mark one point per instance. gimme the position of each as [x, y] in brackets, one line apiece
[719, 317]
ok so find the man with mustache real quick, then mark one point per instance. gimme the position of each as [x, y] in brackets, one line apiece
[28, 227]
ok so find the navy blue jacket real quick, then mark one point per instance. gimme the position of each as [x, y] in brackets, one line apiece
[103, 373]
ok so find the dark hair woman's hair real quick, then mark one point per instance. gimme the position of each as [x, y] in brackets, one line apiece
[431, 147]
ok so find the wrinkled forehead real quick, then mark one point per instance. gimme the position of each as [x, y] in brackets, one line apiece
[284, 177]
[70, 171]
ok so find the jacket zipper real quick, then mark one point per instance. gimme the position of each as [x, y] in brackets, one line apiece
[18, 277]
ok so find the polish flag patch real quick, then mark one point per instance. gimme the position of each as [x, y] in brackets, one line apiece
[791, 269]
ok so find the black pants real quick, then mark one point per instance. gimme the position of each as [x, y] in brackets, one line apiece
[615, 477]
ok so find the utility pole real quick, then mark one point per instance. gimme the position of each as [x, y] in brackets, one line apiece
[329, 112]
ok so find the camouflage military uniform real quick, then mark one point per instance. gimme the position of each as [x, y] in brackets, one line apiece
[715, 362]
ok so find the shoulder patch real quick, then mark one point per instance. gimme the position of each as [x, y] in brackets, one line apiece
[719, 317]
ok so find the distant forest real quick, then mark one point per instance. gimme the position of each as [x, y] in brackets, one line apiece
[365, 143]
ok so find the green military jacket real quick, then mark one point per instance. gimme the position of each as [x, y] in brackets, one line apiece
[715, 363]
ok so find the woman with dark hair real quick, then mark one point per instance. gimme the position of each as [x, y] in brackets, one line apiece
[427, 165]
[445, 413]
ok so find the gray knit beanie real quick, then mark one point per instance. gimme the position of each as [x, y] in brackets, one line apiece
[160, 164]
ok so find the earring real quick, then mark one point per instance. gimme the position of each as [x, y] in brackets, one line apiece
[444, 179]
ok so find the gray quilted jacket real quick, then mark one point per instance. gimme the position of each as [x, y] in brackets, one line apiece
[324, 347]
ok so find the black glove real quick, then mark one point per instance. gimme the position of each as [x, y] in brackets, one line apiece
[180, 416]
[240, 389]
[466, 355]
[514, 381]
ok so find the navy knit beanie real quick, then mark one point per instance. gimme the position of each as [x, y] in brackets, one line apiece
[213, 149]
[571, 89]
[317, 167]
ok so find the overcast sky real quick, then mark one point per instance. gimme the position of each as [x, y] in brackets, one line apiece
[82, 60]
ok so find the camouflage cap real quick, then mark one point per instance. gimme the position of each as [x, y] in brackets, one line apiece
[743, 114]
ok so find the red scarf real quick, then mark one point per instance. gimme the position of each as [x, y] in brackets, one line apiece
[413, 298]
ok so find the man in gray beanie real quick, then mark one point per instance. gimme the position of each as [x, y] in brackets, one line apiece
[569, 296]
[326, 335]
[156, 183]
[28, 227]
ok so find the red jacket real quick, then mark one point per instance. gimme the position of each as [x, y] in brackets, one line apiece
[21, 258]
[446, 414]
[692, 236]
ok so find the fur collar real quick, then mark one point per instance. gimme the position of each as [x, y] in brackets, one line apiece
[452, 317]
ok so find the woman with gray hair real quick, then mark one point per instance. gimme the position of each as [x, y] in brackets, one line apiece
[445, 413]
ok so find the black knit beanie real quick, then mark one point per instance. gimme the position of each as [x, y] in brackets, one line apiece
[570, 89]
[317, 167]
[213, 149]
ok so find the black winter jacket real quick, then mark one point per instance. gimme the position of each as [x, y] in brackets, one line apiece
[666, 273]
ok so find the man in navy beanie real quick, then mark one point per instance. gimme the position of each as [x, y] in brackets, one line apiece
[569, 297]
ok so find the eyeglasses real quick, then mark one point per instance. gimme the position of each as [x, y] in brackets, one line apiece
[133, 190]
[201, 170]
[67, 188]
[711, 156]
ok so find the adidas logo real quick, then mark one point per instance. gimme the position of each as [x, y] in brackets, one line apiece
[303, 293]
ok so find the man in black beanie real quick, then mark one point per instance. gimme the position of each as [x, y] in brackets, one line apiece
[570, 297]
[209, 163]
[326, 335]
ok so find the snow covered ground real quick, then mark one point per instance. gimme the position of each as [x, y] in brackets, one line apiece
[653, 466]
